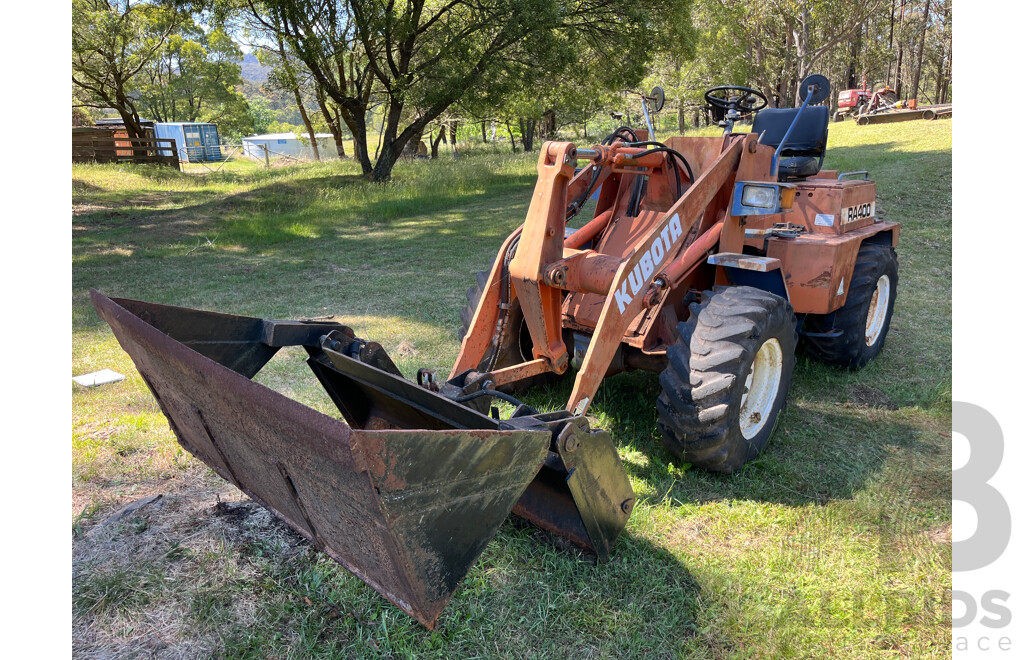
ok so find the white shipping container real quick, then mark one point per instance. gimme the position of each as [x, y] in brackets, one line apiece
[289, 144]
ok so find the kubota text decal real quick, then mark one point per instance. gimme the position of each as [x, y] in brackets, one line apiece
[650, 260]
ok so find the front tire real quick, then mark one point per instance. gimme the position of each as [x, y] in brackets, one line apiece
[864, 319]
[728, 377]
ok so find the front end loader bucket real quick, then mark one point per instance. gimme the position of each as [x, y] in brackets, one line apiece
[408, 493]
[407, 511]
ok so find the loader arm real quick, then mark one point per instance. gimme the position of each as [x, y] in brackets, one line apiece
[541, 243]
[543, 267]
[481, 332]
[641, 280]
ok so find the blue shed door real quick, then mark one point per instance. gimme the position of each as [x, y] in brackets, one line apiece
[211, 141]
[193, 143]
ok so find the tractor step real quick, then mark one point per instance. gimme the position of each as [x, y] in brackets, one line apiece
[408, 493]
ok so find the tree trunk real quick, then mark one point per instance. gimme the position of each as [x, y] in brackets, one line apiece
[899, 53]
[483, 130]
[132, 125]
[892, 28]
[339, 135]
[511, 136]
[920, 52]
[526, 130]
[357, 125]
[353, 114]
[681, 117]
[548, 125]
[949, 52]
[385, 162]
[412, 146]
[293, 83]
[854, 65]
[435, 143]
[940, 74]
[333, 122]
[129, 116]
[308, 124]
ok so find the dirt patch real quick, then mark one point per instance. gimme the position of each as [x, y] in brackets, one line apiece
[235, 513]
[869, 397]
[86, 209]
[406, 349]
[97, 430]
[687, 532]
[164, 576]
[941, 535]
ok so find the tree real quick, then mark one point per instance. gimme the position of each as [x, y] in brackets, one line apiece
[260, 116]
[417, 59]
[920, 52]
[284, 77]
[195, 78]
[112, 42]
[786, 40]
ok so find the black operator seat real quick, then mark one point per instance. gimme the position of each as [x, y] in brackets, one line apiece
[804, 151]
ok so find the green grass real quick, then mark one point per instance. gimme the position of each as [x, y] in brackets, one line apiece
[834, 543]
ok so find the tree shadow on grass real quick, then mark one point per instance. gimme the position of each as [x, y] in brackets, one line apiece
[82, 187]
[317, 202]
[814, 457]
[306, 216]
[210, 205]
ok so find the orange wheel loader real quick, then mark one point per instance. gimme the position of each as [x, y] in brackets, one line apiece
[706, 259]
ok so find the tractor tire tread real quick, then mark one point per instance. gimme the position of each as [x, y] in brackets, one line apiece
[849, 350]
[702, 386]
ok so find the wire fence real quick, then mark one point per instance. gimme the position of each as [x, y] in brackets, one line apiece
[213, 158]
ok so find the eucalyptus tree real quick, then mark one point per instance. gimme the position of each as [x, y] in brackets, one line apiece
[112, 43]
[195, 77]
[417, 59]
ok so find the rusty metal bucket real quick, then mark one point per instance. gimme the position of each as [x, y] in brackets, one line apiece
[410, 491]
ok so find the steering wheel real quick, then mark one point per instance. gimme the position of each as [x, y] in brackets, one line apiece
[727, 98]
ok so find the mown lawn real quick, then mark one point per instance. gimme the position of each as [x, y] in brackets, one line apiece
[834, 543]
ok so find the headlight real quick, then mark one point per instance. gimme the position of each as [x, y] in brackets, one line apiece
[762, 197]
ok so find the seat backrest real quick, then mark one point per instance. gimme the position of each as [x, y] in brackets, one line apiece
[809, 136]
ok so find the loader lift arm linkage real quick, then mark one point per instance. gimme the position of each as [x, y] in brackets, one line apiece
[547, 264]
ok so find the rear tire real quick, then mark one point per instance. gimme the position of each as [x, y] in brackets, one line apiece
[516, 344]
[864, 318]
[727, 379]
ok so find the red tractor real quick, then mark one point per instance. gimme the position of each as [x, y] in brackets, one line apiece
[858, 102]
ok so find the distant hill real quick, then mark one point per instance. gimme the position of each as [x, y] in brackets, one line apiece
[253, 71]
